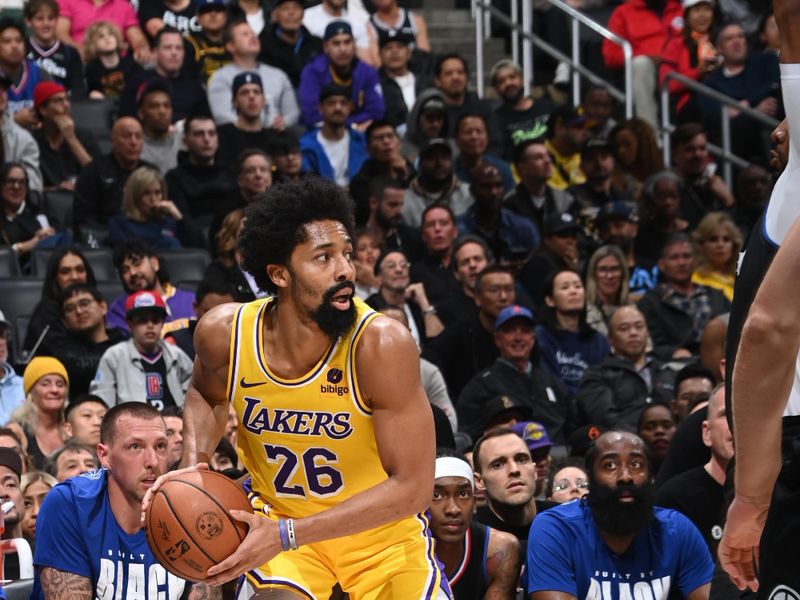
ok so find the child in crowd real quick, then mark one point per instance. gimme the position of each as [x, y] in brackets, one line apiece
[143, 368]
[61, 61]
[107, 70]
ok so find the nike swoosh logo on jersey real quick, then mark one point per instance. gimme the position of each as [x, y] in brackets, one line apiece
[244, 384]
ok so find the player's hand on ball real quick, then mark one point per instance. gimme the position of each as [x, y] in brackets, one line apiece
[148, 496]
[263, 543]
[738, 549]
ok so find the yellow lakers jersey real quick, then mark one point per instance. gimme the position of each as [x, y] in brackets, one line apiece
[308, 443]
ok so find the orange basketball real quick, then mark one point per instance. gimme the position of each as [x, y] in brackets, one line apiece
[188, 526]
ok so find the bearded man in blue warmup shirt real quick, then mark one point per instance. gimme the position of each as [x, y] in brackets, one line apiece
[613, 544]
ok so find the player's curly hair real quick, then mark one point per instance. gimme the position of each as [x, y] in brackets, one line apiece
[276, 222]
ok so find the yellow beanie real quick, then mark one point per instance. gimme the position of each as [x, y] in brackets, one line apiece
[39, 367]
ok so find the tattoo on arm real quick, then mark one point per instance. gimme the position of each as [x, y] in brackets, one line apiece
[202, 591]
[61, 585]
[504, 568]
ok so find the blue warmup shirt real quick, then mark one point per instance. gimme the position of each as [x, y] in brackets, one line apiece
[76, 532]
[566, 554]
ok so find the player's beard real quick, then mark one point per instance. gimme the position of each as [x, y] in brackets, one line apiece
[334, 322]
[619, 518]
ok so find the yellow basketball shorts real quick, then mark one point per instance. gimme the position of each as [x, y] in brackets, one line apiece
[393, 561]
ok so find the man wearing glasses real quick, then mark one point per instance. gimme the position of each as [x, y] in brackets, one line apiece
[393, 270]
[83, 339]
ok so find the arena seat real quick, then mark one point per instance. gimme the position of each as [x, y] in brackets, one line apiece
[9, 263]
[185, 265]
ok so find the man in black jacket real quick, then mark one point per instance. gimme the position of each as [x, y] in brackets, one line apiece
[198, 184]
[613, 394]
[98, 190]
[514, 375]
[467, 346]
[403, 75]
[285, 43]
[84, 339]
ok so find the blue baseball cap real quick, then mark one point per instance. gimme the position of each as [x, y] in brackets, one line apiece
[515, 311]
[618, 209]
[533, 433]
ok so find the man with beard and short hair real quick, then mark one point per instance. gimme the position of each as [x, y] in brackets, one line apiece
[479, 562]
[90, 518]
[385, 220]
[394, 275]
[597, 164]
[467, 345]
[614, 543]
[613, 394]
[470, 256]
[319, 339]
[519, 117]
[677, 310]
[534, 198]
[138, 267]
[505, 470]
[173, 418]
[334, 150]
[435, 183]
[698, 493]
[510, 237]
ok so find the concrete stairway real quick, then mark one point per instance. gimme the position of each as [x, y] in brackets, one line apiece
[453, 30]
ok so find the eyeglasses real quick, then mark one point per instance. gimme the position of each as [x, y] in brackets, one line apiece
[73, 307]
[565, 484]
[11, 181]
[393, 265]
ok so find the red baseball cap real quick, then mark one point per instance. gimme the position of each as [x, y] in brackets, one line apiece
[44, 91]
[144, 300]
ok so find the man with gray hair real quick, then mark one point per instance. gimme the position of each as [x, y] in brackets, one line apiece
[519, 117]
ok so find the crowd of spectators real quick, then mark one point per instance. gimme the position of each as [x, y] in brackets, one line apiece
[559, 278]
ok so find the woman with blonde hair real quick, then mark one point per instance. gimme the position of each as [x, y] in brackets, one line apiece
[34, 487]
[717, 242]
[606, 286]
[39, 420]
[148, 215]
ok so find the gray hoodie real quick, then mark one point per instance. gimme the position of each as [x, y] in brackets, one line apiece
[19, 146]
[414, 138]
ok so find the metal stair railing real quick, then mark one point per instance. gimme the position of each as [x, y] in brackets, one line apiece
[724, 153]
[483, 9]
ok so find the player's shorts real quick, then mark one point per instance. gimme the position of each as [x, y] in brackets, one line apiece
[779, 550]
[391, 562]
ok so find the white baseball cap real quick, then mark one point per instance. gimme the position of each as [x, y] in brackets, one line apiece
[690, 3]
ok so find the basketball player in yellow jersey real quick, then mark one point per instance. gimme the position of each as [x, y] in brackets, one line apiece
[334, 426]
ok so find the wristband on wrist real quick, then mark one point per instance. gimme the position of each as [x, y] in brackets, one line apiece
[431, 310]
[284, 534]
[290, 532]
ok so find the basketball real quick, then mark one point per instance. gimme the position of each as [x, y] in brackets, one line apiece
[188, 526]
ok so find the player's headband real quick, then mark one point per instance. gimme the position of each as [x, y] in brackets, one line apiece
[449, 466]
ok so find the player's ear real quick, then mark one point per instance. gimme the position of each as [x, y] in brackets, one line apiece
[279, 275]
